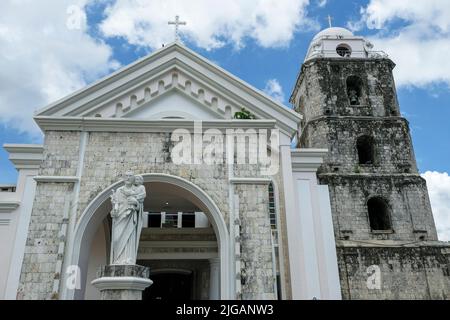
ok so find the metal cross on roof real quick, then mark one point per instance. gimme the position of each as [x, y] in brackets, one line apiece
[329, 20]
[177, 23]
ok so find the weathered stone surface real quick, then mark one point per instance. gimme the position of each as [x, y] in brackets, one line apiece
[103, 164]
[419, 271]
[122, 282]
[332, 122]
[124, 271]
[257, 278]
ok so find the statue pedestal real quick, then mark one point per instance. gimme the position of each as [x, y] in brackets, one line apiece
[122, 282]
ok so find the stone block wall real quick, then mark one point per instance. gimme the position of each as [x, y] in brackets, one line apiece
[412, 263]
[42, 254]
[257, 278]
[393, 150]
[61, 150]
[107, 155]
[416, 272]
[322, 88]
[331, 122]
[406, 194]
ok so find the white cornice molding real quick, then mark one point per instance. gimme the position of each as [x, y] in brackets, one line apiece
[25, 156]
[121, 283]
[307, 159]
[137, 125]
[57, 179]
[250, 180]
[178, 244]
[8, 206]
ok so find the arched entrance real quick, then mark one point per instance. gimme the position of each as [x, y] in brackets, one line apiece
[171, 284]
[95, 213]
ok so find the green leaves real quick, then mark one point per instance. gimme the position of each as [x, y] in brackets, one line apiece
[244, 114]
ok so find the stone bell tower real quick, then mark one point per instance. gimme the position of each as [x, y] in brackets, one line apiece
[381, 211]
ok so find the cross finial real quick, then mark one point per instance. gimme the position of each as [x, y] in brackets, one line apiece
[177, 23]
[329, 20]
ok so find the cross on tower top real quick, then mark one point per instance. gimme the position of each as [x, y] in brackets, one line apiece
[329, 18]
[177, 23]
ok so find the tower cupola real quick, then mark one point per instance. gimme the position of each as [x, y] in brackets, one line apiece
[336, 42]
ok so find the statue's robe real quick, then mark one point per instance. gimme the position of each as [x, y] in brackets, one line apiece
[125, 222]
[140, 196]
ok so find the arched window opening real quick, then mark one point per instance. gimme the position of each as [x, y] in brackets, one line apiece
[366, 150]
[354, 90]
[344, 50]
[379, 214]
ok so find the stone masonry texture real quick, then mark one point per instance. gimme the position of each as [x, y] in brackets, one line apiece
[106, 157]
[257, 279]
[321, 95]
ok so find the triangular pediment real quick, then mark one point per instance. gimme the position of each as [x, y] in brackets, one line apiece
[173, 82]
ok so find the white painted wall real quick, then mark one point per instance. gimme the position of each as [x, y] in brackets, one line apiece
[314, 242]
[15, 222]
[201, 220]
[18, 231]
[7, 233]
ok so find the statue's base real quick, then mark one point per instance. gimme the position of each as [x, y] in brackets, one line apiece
[122, 282]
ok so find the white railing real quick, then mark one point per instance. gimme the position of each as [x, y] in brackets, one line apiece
[175, 220]
[320, 53]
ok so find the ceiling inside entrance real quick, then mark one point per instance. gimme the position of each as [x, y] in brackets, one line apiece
[164, 197]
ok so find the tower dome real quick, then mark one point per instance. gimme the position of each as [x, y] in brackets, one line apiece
[337, 42]
[334, 32]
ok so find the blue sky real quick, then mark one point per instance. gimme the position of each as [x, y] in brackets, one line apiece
[43, 59]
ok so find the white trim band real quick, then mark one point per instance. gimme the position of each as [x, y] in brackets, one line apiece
[8, 206]
[250, 180]
[57, 179]
[121, 283]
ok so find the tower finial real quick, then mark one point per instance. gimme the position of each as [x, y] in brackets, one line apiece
[329, 20]
[177, 23]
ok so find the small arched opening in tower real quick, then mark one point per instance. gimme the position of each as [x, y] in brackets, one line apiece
[379, 214]
[344, 50]
[354, 90]
[365, 146]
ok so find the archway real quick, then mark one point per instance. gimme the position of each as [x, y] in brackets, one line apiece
[93, 217]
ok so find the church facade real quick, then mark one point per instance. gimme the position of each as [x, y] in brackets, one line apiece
[232, 210]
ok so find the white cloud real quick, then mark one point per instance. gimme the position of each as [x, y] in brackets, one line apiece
[439, 189]
[431, 12]
[210, 23]
[274, 89]
[420, 45]
[45, 54]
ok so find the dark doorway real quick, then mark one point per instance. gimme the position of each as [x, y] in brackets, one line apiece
[169, 286]
[188, 220]
[154, 220]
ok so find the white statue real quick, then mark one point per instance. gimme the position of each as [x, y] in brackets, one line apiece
[140, 197]
[126, 216]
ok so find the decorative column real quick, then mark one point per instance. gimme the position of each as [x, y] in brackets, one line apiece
[214, 278]
[122, 282]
